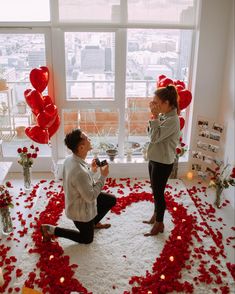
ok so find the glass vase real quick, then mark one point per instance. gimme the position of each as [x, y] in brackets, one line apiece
[174, 172]
[27, 177]
[218, 195]
[6, 220]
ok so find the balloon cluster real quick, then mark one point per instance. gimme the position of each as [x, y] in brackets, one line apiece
[185, 96]
[45, 111]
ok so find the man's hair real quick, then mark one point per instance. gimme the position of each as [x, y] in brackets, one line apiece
[73, 139]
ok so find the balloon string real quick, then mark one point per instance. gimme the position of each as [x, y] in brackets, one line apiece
[54, 167]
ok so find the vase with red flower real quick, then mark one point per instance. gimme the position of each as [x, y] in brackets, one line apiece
[27, 177]
[27, 155]
[222, 177]
[5, 205]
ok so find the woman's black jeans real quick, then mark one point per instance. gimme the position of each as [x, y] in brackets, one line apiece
[159, 174]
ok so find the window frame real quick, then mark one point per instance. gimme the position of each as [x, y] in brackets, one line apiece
[54, 45]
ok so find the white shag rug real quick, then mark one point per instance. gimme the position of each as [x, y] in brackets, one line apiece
[120, 252]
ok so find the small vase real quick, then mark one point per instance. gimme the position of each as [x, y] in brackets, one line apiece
[174, 172]
[218, 195]
[27, 177]
[145, 154]
[129, 154]
[7, 226]
[55, 170]
[111, 153]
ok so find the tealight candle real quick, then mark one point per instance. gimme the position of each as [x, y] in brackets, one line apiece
[62, 280]
[171, 258]
[51, 257]
[189, 175]
[162, 277]
[174, 208]
[179, 237]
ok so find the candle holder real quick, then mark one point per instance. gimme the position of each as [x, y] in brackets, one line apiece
[111, 153]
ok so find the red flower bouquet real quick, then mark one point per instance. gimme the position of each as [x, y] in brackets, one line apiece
[5, 196]
[27, 155]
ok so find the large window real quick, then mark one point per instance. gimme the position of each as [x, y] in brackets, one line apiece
[104, 58]
[19, 54]
[90, 65]
[151, 53]
[24, 10]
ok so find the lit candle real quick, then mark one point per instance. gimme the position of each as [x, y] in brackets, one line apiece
[1, 278]
[162, 277]
[183, 220]
[150, 292]
[171, 258]
[51, 257]
[62, 280]
[179, 237]
[189, 175]
[174, 208]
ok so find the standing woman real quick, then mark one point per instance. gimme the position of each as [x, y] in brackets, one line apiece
[164, 133]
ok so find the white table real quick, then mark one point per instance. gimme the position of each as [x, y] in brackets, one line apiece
[4, 169]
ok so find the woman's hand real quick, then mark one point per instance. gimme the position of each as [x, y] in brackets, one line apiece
[154, 108]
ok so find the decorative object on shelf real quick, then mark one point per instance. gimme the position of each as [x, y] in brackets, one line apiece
[5, 205]
[3, 108]
[21, 107]
[222, 178]
[26, 160]
[129, 152]
[111, 153]
[20, 132]
[95, 152]
[3, 84]
[144, 152]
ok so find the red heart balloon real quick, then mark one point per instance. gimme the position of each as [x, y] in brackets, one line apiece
[185, 98]
[47, 100]
[161, 77]
[179, 83]
[34, 99]
[39, 78]
[165, 82]
[179, 88]
[47, 117]
[51, 109]
[53, 129]
[37, 134]
[182, 122]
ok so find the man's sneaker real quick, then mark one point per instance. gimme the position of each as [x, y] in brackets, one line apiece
[47, 232]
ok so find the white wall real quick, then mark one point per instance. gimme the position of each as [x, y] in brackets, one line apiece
[213, 83]
[227, 105]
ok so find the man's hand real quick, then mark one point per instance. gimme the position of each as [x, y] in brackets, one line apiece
[104, 170]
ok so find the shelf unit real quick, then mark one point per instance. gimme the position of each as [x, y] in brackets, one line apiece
[10, 119]
[6, 103]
